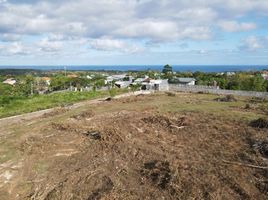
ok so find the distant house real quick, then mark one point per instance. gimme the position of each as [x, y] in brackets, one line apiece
[117, 77]
[125, 82]
[89, 77]
[72, 76]
[140, 80]
[230, 73]
[10, 81]
[183, 81]
[158, 85]
[47, 80]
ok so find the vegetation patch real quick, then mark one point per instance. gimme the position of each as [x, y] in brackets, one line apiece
[227, 98]
[259, 123]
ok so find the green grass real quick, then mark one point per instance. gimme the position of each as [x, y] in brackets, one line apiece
[41, 102]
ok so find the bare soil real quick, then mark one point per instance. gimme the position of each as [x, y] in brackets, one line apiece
[141, 147]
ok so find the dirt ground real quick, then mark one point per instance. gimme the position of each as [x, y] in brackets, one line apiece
[158, 146]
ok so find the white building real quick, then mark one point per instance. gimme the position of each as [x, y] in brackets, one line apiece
[140, 80]
[185, 81]
[230, 73]
[159, 85]
[265, 75]
[117, 77]
[125, 82]
[10, 81]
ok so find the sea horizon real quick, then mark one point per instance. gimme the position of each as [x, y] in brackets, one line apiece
[177, 68]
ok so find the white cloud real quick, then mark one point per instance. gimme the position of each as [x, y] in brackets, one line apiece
[47, 45]
[114, 45]
[128, 22]
[155, 30]
[233, 26]
[14, 48]
[251, 43]
[9, 37]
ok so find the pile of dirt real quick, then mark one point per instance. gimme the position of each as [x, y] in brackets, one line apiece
[167, 122]
[84, 115]
[89, 187]
[259, 123]
[227, 98]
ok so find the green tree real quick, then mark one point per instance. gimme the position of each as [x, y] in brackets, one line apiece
[59, 82]
[167, 69]
[135, 87]
[5, 89]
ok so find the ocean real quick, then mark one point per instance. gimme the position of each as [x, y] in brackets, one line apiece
[181, 68]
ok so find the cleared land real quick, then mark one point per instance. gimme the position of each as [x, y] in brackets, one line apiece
[160, 146]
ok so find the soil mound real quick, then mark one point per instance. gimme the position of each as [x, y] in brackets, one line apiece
[166, 122]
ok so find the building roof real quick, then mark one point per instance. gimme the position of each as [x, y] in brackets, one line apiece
[45, 78]
[119, 76]
[185, 80]
[153, 81]
[72, 76]
[10, 81]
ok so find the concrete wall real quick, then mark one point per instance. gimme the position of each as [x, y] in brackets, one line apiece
[214, 90]
[164, 86]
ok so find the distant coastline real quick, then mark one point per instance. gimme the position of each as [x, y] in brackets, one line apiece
[182, 68]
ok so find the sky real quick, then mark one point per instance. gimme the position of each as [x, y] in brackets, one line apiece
[133, 32]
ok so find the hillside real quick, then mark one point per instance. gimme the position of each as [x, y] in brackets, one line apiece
[158, 146]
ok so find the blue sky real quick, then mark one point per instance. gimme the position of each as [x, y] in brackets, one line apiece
[122, 32]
